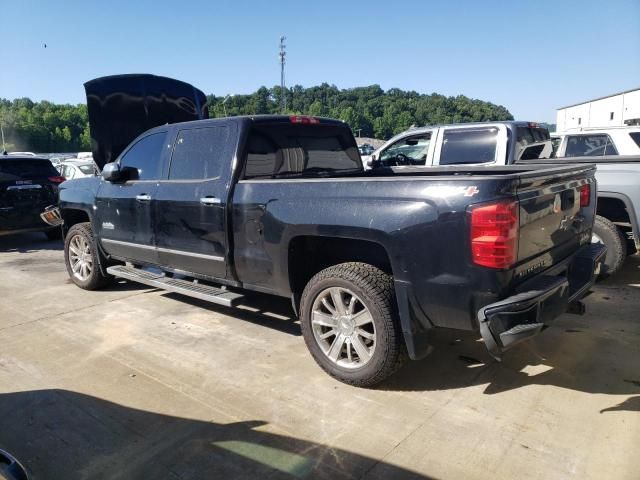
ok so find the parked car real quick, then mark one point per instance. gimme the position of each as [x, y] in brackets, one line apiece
[464, 143]
[372, 261]
[597, 142]
[28, 184]
[71, 169]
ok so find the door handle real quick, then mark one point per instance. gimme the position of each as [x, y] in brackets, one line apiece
[210, 201]
[143, 197]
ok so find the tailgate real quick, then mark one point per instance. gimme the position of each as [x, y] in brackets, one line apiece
[557, 208]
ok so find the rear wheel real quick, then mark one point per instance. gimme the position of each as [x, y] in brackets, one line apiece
[349, 324]
[81, 257]
[605, 232]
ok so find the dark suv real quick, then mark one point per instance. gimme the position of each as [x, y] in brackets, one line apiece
[27, 185]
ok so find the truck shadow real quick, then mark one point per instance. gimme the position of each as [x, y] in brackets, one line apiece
[64, 434]
[560, 357]
[28, 242]
[261, 309]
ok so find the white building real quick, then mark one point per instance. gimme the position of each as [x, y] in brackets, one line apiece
[611, 111]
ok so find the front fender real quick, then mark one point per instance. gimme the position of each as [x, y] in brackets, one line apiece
[78, 196]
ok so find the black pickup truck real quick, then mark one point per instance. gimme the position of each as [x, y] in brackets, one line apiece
[372, 261]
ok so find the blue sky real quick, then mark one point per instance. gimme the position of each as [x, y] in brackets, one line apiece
[531, 57]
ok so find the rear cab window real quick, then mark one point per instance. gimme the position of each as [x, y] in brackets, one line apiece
[469, 145]
[281, 150]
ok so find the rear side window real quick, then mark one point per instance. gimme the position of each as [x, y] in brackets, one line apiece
[25, 168]
[469, 145]
[145, 156]
[280, 150]
[636, 137]
[590, 146]
[198, 153]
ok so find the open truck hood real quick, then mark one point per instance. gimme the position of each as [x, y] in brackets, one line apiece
[121, 107]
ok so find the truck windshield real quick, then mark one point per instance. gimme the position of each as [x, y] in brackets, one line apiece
[281, 150]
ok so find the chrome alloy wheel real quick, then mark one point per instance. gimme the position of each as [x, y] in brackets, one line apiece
[343, 327]
[80, 258]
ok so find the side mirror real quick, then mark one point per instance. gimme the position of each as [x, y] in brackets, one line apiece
[111, 172]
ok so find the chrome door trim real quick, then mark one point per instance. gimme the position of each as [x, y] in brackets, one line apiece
[163, 250]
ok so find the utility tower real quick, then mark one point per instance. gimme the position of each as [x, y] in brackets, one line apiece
[282, 56]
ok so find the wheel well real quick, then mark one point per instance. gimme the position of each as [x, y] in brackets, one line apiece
[613, 209]
[71, 217]
[309, 255]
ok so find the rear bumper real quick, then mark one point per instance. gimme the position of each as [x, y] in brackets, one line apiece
[506, 323]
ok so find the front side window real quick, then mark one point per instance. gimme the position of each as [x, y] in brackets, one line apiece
[590, 146]
[198, 152]
[469, 145]
[636, 137]
[411, 150]
[277, 150]
[145, 157]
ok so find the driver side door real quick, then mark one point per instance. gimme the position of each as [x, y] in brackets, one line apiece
[124, 209]
[414, 149]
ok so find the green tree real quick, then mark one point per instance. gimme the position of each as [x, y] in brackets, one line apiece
[46, 127]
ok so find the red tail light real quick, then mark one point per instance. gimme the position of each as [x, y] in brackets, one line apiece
[494, 234]
[585, 195]
[304, 120]
[57, 179]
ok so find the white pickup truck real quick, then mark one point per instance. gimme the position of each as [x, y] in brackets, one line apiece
[487, 143]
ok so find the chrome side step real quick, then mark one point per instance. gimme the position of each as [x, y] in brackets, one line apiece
[207, 293]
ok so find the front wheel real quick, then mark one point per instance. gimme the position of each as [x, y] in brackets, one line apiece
[349, 323]
[81, 258]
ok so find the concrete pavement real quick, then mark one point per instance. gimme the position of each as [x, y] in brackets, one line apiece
[137, 383]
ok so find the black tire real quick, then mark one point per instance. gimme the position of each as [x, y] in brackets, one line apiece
[55, 234]
[95, 279]
[374, 288]
[611, 236]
